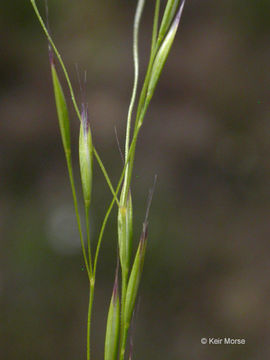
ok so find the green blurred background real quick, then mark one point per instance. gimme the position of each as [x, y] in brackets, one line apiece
[207, 136]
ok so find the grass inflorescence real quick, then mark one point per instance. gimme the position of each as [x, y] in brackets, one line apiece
[122, 302]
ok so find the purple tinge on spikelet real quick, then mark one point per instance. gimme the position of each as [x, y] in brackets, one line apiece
[84, 111]
[85, 119]
[132, 331]
[144, 236]
[115, 286]
[178, 16]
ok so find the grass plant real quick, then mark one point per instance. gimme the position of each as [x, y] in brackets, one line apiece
[122, 302]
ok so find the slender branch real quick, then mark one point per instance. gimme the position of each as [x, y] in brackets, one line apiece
[131, 149]
[89, 318]
[75, 201]
[106, 175]
[137, 21]
[59, 57]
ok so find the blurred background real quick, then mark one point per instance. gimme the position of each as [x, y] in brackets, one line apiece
[206, 136]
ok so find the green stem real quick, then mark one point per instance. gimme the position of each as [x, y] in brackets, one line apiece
[123, 325]
[130, 153]
[88, 237]
[106, 176]
[75, 201]
[133, 147]
[143, 103]
[89, 318]
[131, 150]
[59, 57]
[137, 21]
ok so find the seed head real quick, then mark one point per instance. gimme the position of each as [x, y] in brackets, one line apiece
[163, 53]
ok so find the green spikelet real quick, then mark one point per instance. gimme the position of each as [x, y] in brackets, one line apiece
[162, 54]
[135, 276]
[62, 110]
[125, 232]
[113, 325]
[169, 14]
[86, 157]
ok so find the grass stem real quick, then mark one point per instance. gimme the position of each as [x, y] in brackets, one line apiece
[75, 201]
[89, 317]
[88, 237]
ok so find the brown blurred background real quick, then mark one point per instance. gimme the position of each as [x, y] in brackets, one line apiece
[207, 136]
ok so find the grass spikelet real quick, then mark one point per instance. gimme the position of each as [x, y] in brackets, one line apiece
[120, 313]
[125, 232]
[61, 107]
[169, 13]
[162, 54]
[86, 156]
[113, 324]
